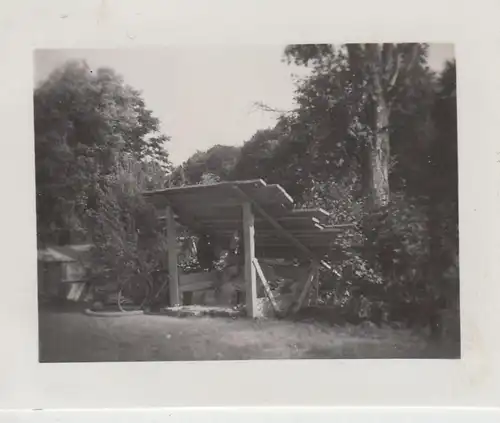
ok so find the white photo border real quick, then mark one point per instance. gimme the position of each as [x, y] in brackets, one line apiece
[471, 381]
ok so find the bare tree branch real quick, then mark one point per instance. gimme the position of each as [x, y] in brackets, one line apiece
[395, 74]
[413, 56]
[266, 108]
[410, 64]
[388, 56]
[373, 52]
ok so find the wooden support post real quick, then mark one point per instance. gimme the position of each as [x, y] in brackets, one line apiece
[173, 268]
[306, 251]
[249, 250]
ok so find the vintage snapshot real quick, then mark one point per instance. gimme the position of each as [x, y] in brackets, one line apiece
[247, 203]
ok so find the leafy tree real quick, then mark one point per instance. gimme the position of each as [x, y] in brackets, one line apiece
[361, 85]
[209, 179]
[366, 109]
[257, 156]
[218, 161]
[328, 135]
[84, 120]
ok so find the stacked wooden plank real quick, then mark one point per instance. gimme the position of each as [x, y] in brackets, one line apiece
[216, 209]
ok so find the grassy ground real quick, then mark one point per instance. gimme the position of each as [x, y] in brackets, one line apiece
[71, 336]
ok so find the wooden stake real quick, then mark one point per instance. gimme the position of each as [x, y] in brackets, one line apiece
[249, 250]
[173, 269]
[316, 298]
[307, 287]
[267, 288]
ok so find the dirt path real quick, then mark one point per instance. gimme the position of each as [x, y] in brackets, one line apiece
[69, 336]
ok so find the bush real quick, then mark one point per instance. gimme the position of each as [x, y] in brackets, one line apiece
[127, 234]
[383, 270]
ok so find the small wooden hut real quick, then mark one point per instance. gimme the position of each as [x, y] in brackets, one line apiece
[61, 271]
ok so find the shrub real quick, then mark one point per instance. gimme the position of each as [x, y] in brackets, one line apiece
[127, 234]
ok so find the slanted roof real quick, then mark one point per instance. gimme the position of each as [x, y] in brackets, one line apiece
[221, 195]
[216, 209]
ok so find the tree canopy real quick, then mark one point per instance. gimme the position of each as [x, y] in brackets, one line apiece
[218, 161]
[84, 122]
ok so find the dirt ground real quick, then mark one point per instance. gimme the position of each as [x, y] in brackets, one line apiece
[72, 336]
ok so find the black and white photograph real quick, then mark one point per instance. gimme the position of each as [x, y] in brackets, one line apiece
[247, 202]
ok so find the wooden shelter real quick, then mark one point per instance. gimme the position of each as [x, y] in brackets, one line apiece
[266, 216]
[61, 271]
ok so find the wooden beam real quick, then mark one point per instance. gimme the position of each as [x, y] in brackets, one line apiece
[221, 194]
[206, 199]
[230, 214]
[289, 200]
[282, 253]
[271, 195]
[313, 233]
[278, 227]
[297, 222]
[198, 286]
[249, 250]
[316, 286]
[204, 188]
[308, 253]
[267, 288]
[173, 268]
[342, 226]
[317, 213]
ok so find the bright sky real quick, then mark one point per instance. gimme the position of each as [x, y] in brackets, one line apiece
[204, 95]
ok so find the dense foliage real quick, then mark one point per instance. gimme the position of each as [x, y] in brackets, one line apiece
[372, 139]
[97, 147]
[84, 122]
[128, 236]
[216, 164]
[325, 152]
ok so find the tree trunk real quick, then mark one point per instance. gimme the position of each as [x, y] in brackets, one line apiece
[376, 173]
[379, 157]
[366, 62]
